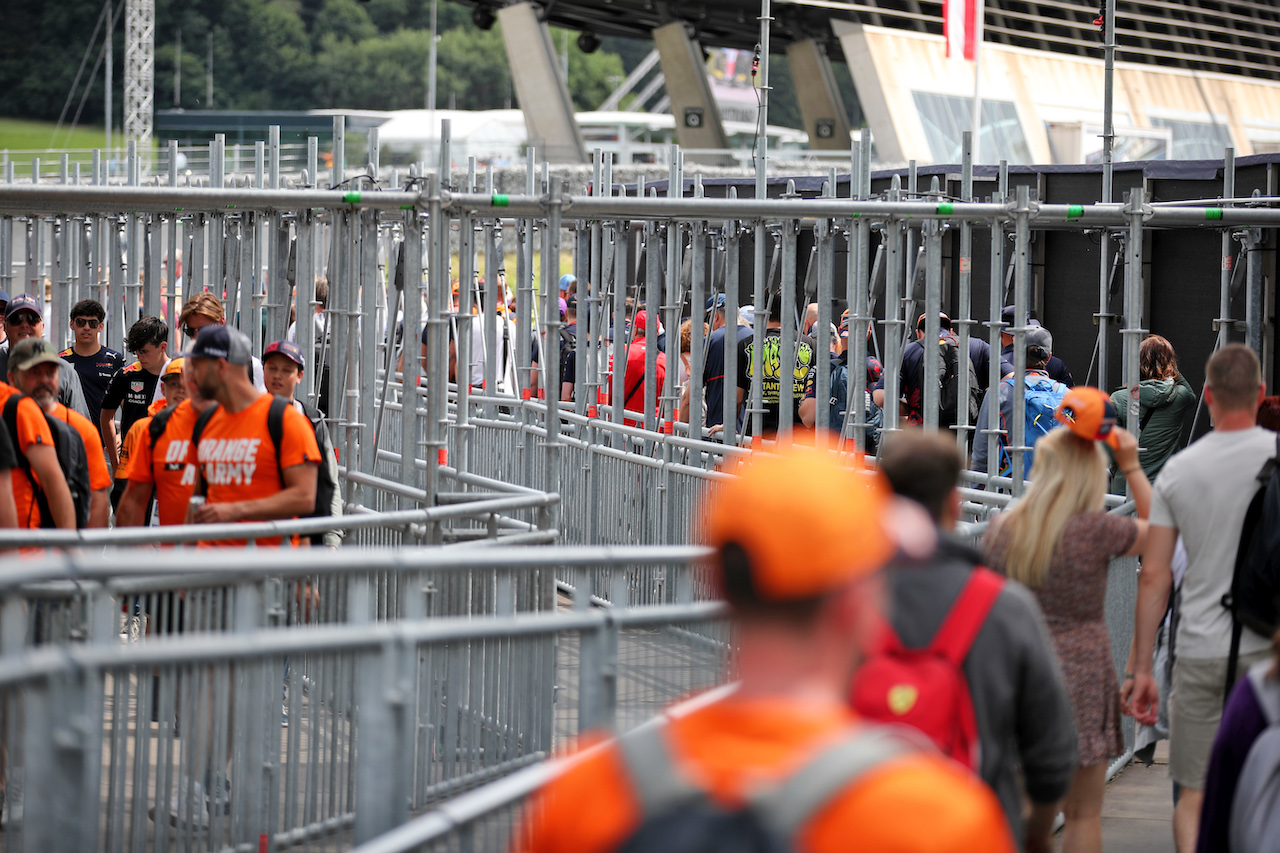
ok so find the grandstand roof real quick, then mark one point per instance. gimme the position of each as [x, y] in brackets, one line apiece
[1229, 36]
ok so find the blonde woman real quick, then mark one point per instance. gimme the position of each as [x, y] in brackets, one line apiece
[1059, 541]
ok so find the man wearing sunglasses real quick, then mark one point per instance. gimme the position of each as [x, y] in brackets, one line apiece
[24, 318]
[94, 363]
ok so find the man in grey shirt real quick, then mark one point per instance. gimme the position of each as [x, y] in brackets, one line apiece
[1020, 703]
[1202, 493]
[23, 319]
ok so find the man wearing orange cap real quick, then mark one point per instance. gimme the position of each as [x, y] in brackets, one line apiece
[799, 543]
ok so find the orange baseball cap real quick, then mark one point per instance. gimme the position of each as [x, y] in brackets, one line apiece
[1089, 413]
[807, 522]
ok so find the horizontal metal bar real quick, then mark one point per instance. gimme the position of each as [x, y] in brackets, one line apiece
[234, 563]
[263, 529]
[68, 198]
[46, 661]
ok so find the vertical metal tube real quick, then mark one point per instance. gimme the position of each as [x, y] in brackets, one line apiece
[1133, 330]
[697, 313]
[550, 278]
[859, 292]
[339, 172]
[932, 233]
[1108, 193]
[1225, 321]
[437, 367]
[732, 293]
[821, 357]
[411, 249]
[996, 326]
[963, 319]
[653, 270]
[370, 287]
[1021, 300]
[893, 231]
[790, 342]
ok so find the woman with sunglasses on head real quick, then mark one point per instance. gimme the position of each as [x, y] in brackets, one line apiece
[1059, 540]
[94, 363]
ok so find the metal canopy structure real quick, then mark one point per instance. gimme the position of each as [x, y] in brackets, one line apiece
[1226, 36]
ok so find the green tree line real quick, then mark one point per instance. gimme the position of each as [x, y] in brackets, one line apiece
[294, 55]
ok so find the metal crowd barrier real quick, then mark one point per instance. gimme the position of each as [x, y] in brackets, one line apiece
[269, 739]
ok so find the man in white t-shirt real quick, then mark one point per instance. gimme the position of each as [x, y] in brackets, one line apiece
[1202, 494]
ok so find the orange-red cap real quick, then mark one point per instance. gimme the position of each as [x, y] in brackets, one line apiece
[1089, 413]
[807, 522]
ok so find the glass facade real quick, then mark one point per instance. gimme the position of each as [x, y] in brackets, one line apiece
[947, 117]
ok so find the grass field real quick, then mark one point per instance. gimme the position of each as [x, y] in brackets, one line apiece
[25, 135]
[21, 140]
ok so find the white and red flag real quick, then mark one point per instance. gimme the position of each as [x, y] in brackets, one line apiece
[962, 26]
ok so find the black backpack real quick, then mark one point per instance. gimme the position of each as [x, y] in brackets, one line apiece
[951, 363]
[568, 346]
[72, 459]
[326, 487]
[1254, 600]
[678, 817]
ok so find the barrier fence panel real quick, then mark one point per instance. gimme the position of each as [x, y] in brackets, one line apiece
[297, 738]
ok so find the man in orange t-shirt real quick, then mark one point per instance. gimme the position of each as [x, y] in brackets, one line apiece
[234, 454]
[799, 539]
[33, 440]
[33, 370]
[162, 466]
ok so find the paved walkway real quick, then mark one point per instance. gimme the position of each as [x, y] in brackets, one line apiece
[1138, 808]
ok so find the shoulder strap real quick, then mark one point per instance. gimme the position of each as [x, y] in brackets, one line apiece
[197, 431]
[788, 806]
[202, 421]
[159, 421]
[11, 421]
[959, 629]
[275, 427]
[655, 779]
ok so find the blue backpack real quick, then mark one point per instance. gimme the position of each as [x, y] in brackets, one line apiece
[1043, 397]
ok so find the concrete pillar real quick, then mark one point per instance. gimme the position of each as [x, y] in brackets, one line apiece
[825, 119]
[871, 90]
[540, 87]
[698, 123]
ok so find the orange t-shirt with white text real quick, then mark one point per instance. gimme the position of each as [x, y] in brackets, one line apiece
[237, 459]
[166, 467]
[910, 804]
[32, 429]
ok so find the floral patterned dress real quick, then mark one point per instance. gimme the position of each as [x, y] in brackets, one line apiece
[1073, 598]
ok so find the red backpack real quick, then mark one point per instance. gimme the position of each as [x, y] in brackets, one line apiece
[926, 688]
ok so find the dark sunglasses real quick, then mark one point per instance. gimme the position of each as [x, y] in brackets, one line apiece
[89, 322]
[190, 332]
[23, 318]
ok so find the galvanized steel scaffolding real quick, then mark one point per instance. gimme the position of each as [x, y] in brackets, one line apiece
[429, 461]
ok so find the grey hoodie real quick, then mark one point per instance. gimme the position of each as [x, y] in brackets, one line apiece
[1019, 699]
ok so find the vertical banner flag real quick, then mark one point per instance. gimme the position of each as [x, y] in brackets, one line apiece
[961, 26]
